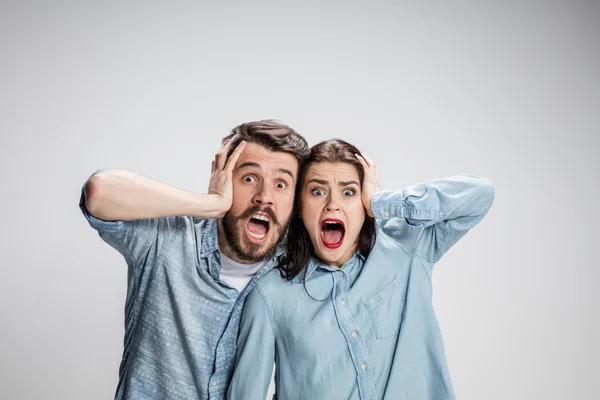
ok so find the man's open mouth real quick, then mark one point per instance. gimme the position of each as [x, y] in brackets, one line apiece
[257, 227]
[332, 232]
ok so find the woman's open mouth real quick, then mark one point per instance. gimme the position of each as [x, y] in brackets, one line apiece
[257, 228]
[332, 232]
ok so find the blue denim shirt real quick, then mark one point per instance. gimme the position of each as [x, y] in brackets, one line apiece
[181, 321]
[369, 331]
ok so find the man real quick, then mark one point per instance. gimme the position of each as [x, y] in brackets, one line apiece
[189, 273]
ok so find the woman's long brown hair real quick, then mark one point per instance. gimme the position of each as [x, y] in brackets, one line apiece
[299, 248]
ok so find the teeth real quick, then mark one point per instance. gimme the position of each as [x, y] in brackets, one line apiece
[256, 236]
[261, 217]
[330, 222]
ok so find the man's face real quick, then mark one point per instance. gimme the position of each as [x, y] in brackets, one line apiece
[263, 197]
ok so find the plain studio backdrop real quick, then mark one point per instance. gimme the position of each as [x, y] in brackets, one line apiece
[509, 91]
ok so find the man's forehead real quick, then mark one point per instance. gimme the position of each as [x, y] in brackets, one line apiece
[258, 157]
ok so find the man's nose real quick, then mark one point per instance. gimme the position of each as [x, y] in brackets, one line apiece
[263, 195]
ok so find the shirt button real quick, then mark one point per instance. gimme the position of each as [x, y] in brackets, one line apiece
[386, 213]
[353, 334]
[363, 367]
[342, 302]
[340, 273]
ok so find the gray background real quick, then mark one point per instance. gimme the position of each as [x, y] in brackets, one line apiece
[509, 91]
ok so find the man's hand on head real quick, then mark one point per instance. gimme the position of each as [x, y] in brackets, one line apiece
[221, 178]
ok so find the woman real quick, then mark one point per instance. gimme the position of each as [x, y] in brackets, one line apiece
[353, 318]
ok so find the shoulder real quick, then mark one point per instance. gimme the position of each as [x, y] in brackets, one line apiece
[176, 223]
[272, 283]
[270, 289]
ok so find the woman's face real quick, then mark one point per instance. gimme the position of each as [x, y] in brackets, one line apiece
[332, 210]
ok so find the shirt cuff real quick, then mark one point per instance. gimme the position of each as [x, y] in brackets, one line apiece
[386, 204]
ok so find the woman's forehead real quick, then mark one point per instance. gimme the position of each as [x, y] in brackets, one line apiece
[332, 172]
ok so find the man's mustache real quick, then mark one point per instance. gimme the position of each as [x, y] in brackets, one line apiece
[255, 209]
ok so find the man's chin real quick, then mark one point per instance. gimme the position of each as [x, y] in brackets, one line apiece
[247, 247]
[255, 252]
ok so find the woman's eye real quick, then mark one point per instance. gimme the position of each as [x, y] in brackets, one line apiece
[348, 192]
[248, 178]
[281, 185]
[318, 192]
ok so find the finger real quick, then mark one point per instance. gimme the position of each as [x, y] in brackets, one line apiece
[369, 161]
[234, 156]
[212, 167]
[221, 155]
[362, 161]
[223, 146]
[217, 157]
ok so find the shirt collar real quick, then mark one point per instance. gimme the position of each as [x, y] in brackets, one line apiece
[315, 263]
[210, 239]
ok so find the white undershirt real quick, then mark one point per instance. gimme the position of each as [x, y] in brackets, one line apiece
[238, 275]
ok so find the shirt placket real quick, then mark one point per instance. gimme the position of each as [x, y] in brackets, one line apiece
[226, 341]
[350, 329]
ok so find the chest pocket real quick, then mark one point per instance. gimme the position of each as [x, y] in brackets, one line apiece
[386, 307]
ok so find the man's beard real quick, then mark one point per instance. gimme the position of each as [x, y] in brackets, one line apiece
[231, 229]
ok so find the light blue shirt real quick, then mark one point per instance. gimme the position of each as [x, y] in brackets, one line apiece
[181, 320]
[371, 333]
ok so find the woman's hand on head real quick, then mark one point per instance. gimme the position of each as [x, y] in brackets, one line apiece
[370, 183]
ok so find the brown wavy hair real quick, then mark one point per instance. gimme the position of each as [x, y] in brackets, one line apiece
[271, 134]
[299, 248]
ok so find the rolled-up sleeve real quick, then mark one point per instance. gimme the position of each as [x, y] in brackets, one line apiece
[434, 214]
[133, 239]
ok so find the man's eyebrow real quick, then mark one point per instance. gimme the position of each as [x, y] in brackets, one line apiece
[248, 164]
[286, 171]
[253, 164]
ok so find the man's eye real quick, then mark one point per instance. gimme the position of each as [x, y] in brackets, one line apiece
[318, 192]
[281, 185]
[348, 192]
[248, 178]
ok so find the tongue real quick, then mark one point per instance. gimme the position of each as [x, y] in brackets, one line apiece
[332, 236]
[257, 227]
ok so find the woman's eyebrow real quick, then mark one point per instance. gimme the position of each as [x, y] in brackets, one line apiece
[348, 183]
[319, 181]
[324, 182]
